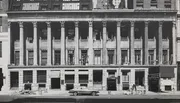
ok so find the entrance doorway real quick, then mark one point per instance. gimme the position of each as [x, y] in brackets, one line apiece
[139, 78]
[1, 79]
[14, 79]
[111, 84]
[55, 83]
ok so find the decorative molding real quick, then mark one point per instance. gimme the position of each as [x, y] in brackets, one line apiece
[90, 23]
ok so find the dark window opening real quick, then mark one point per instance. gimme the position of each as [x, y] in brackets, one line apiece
[44, 7]
[27, 77]
[125, 30]
[151, 57]
[57, 57]
[124, 57]
[69, 86]
[83, 79]
[70, 31]
[85, 7]
[97, 57]
[41, 76]
[139, 78]
[55, 83]
[111, 31]
[168, 88]
[43, 57]
[97, 31]
[153, 3]
[139, 3]
[14, 81]
[167, 3]
[70, 57]
[69, 79]
[28, 31]
[97, 76]
[16, 57]
[43, 34]
[83, 30]
[56, 31]
[30, 57]
[137, 57]
[84, 57]
[111, 57]
[165, 57]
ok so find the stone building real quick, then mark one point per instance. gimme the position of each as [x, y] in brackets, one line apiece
[64, 44]
[3, 45]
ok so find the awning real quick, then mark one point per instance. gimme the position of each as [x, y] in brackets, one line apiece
[166, 72]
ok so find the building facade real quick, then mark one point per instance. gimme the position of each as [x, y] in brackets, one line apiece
[67, 43]
[3, 45]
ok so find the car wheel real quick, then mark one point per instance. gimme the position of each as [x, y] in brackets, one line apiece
[75, 93]
[93, 93]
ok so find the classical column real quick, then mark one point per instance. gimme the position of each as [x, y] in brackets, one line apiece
[77, 43]
[63, 88]
[132, 77]
[146, 79]
[21, 86]
[90, 41]
[35, 85]
[118, 42]
[174, 42]
[49, 44]
[35, 43]
[21, 42]
[9, 42]
[90, 77]
[76, 83]
[104, 52]
[63, 46]
[132, 44]
[160, 43]
[146, 43]
[104, 79]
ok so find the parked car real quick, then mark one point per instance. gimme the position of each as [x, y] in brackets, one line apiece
[83, 90]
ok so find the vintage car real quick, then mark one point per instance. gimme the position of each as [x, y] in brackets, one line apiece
[83, 90]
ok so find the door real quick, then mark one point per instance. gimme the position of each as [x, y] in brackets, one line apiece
[111, 84]
[55, 83]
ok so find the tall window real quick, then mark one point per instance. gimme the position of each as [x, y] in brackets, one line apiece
[70, 57]
[84, 56]
[139, 3]
[30, 57]
[97, 56]
[110, 56]
[165, 57]
[16, 57]
[167, 3]
[138, 57]
[27, 77]
[151, 57]
[43, 57]
[153, 3]
[0, 48]
[41, 76]
[124, 57]
[57, 57]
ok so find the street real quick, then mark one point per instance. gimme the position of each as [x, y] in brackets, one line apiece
[91, 99]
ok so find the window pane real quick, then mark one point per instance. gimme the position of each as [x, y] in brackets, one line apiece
[138, 57]
[27, 77]
[41, 76]
[151, 57]
[43, 57]
[16, 57]
[0, 48]
[70, 57]
[57, 57]
[124, 57]
[30, 57]
[97, 56]
[111, 56]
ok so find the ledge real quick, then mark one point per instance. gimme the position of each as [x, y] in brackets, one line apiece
[90, 66]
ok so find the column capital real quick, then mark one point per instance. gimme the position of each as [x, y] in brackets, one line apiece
[104, 23]
[76, 23]
[90, 23]
[146, 23]
[119, 23]
[48, 24]
[62, 23]
[161, 23]
[132, 23]
[35, 24]
[20, 24]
